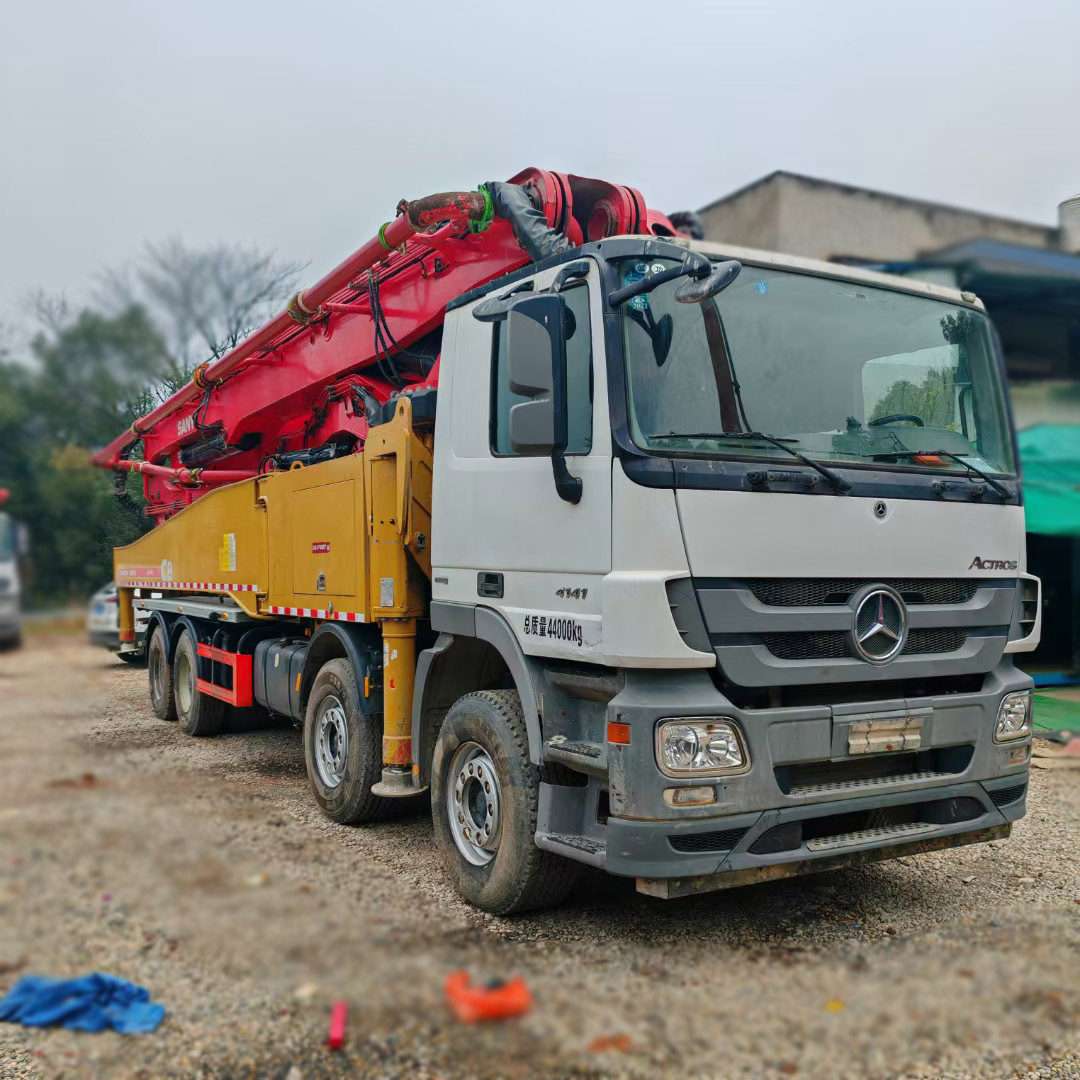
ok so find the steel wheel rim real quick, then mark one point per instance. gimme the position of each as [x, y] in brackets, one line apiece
[156, 674]
[185, 682]
[474, 804]
[331, 741]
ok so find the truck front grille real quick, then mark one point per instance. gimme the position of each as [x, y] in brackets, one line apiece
[815, 592]
[851, 775]
[833, 644]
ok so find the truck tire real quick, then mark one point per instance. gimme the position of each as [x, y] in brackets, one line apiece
[484, 794]
[199, 714]
[160, 675]
[342, 748]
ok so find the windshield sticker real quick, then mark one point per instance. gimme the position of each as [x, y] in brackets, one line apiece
[657, 268]
[639, 303]
[641, 269]
[762, 287]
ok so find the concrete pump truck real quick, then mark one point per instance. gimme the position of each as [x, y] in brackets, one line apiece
[700, 565]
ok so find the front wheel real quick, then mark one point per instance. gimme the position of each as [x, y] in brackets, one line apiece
[484, 796]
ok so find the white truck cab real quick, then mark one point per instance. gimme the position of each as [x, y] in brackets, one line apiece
[747, 532]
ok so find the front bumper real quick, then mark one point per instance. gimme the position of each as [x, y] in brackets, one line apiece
[670, 888]
[983, 788]
[646, 849]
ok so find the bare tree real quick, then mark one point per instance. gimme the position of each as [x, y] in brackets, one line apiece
[51, 310]
[203, 300]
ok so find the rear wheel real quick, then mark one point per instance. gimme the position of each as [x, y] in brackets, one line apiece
[199, 714]
[342, 748]
[484, 796]
[160, 673]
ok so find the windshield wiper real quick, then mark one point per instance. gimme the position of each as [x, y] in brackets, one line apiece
[1004, 491]
[1000, 488]
[838, 482]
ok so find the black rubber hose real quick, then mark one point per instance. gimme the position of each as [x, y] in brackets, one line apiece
[530, 226]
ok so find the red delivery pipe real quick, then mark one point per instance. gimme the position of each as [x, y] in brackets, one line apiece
[188, 476]
[412, 217]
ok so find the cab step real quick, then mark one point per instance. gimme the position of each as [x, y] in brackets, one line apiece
[581, 848]
[586, 757]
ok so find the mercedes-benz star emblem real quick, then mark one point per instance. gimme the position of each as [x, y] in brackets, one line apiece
[879, 628]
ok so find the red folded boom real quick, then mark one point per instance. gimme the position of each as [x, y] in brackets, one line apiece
[370, 328]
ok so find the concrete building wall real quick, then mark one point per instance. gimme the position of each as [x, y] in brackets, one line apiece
[750, 218]
[823, 220]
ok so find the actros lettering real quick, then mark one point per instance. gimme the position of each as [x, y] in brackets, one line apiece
[992, 564]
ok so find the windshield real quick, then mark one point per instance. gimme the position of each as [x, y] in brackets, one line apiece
[838, 370]
[7, 538]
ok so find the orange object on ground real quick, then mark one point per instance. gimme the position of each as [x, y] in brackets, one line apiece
[604, 1043]
[491, 1001]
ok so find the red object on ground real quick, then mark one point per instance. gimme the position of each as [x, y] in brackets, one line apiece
[493, 1001]
[336, 1039]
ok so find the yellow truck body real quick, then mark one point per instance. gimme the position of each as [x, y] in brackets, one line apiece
[345, 540]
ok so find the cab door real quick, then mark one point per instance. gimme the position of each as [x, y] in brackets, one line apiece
[502, 536]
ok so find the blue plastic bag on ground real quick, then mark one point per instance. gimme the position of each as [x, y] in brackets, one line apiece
[89, 1003]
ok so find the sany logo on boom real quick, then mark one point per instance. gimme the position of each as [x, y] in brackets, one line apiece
[186, 425]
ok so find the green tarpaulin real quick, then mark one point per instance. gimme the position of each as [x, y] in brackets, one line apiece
[1056, 714]
[1051, 458]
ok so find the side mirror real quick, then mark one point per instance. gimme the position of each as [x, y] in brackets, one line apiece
[536, 355]
[695, 292]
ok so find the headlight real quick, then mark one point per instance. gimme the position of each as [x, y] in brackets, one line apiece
[697, 747]
[1014, 716]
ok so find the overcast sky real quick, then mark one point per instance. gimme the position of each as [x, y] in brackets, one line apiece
[297, 127]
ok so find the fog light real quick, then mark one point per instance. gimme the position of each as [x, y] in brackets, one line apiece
[1014, 716]
[1018, 755]
[690, 796]
[699, 746]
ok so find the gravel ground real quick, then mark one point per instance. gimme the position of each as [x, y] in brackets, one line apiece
[202, 870]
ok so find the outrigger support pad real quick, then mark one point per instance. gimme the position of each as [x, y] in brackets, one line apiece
[397, 783]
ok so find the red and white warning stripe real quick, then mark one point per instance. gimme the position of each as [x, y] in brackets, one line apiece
[204, 586]
[317, 613]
